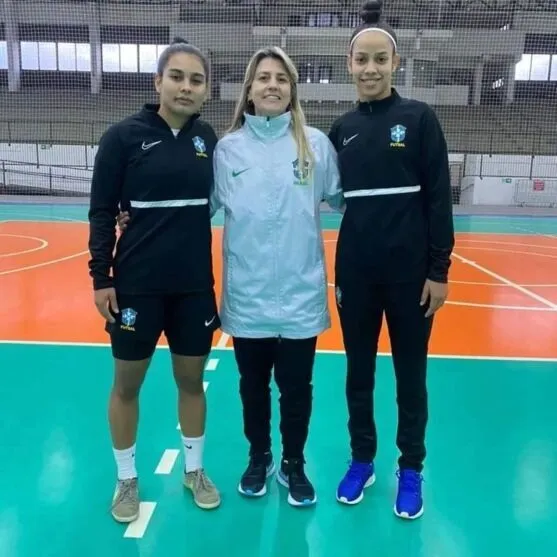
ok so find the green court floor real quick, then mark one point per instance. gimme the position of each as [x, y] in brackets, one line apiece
[490, 486]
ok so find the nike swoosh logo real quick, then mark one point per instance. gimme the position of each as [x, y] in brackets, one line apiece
[345, 141]
[238, 172]
[146, 146]
[207, 323]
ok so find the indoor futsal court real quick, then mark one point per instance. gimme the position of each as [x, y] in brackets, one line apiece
[490, 484]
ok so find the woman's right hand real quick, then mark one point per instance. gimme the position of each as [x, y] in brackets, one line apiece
[122, 219]
[105, 298]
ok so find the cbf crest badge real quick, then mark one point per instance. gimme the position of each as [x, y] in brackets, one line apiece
[301, 175]
[398, 135]
[129, 316]
[200, 147]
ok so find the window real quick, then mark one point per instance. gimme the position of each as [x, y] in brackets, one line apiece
[53, 56]
[48, 57]
[147, 58]
[539, 70]
[29, 55]
[536, 67]
[553, 74]
[130, 58]
[83, 57]
[76, 57]
[323, 20]
[111, 58]
[3, 55]
[67, 60]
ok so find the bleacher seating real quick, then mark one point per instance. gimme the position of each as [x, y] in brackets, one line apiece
[79, 117]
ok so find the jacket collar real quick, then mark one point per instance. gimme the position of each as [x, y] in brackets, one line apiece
[380, 105]
[268, 127]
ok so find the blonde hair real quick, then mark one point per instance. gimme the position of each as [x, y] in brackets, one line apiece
[298, 117]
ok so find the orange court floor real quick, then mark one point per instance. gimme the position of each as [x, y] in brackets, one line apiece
[502, 301]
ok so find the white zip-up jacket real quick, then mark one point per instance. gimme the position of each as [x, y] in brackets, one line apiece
[274, 281]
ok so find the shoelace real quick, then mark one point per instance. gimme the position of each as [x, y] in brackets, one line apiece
[202, 481]
[126, 493]
[355, 472]
[410, 481]
[256, 467]
[296, 474]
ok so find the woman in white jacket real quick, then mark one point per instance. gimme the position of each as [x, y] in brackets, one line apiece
[274, 293]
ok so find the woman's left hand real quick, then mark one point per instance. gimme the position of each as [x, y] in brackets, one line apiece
[437, 293]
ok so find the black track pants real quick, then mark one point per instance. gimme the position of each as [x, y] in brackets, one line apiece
[292, 361]
[361, 307]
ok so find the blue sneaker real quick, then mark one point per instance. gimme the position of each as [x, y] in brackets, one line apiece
[409, 503]
[351, 488]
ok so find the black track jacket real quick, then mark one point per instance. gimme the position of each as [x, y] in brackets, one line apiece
[165, 182]
[398, 223]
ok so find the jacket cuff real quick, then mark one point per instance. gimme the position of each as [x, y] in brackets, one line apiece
[102, 282]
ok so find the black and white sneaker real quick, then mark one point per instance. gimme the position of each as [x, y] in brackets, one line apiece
[254, 480]
[292, 476]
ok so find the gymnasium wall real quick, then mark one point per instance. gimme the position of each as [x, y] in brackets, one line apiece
[483, 179]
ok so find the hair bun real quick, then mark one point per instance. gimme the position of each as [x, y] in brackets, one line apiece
[179, 40]
[371, 11]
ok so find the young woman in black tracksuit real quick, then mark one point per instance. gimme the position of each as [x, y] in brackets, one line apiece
[157, 165]
[393, 253]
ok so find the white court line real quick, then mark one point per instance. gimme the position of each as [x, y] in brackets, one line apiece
[498, 306]
[212, 364]
[504, 280]
[475, 283]
[167, 461]
[319, 351]
[136, 529]
[44, 263]
[510, 244]
[45, 219]
[43, 244]
[223, 340]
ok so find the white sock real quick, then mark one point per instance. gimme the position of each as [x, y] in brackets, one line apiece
[125, 461]
[193, 452]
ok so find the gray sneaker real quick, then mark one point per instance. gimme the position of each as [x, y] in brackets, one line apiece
[125, 503]
[205, 494]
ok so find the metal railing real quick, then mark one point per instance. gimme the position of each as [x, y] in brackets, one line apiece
[17, 178]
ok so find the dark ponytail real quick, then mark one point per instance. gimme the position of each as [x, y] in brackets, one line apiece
[370, 14]
[179, 44]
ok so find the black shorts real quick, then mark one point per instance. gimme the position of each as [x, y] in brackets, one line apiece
[188, 321]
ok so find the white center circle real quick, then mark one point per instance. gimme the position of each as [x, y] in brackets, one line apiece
[42, 245]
